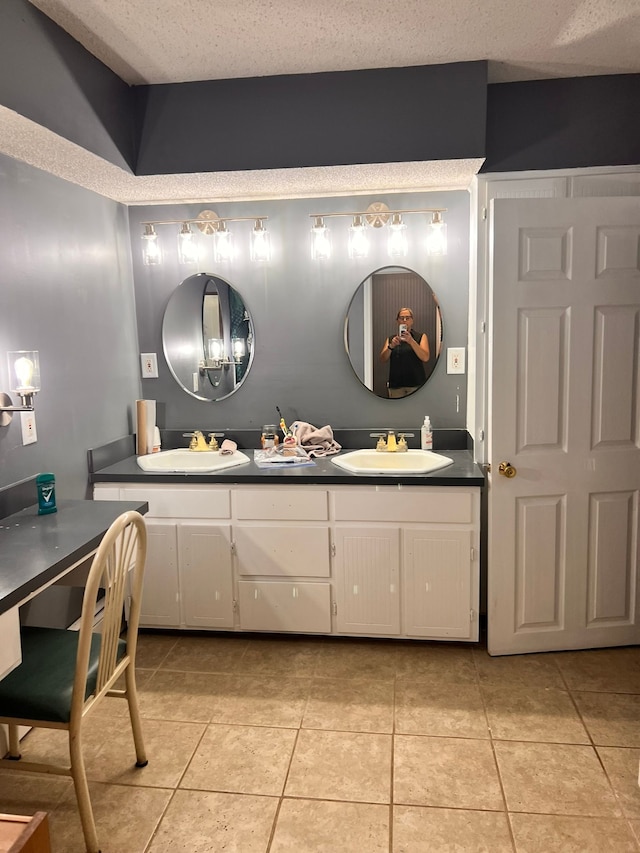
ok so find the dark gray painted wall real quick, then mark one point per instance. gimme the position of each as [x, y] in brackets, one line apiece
[66, 290]
[48, 77]
[374, 116]
[558, 124]
[298, 308]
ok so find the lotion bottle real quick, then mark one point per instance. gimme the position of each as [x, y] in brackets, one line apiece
[426, 436]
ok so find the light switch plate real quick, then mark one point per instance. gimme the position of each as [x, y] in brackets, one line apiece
[28, 423]
[455, 360]
[149, 362]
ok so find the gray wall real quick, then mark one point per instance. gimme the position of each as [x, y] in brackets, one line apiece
[65, 290]
[298, 308]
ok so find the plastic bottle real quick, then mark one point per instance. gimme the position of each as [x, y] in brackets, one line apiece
[46, 486]
[426, 436]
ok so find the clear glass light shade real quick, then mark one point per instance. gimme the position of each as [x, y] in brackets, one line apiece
[260, 243]
[437, 236]
[188, 250]
[151, 253]
[238, 348]
[397, 245]
[358, 239]
[222, 244]
[320, 241]
[215, 349]
[24, 372]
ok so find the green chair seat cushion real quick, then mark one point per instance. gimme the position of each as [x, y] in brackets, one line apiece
[41, 688]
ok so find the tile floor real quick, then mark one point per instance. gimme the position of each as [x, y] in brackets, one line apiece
[262, 744]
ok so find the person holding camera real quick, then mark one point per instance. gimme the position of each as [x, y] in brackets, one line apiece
[407, 351]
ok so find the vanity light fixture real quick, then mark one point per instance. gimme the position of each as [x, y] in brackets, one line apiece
[320, 240]
[207, 222]
[377, 215]
[437, 237]
[24, 380]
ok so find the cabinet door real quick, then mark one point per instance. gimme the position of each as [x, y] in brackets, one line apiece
[160, 605]
[206, 586]
[367, 571]
[439, 584]
[302, 607]
[282, 550]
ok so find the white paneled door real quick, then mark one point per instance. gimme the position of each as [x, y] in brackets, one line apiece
[563, 549]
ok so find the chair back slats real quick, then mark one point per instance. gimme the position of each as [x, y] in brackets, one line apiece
[121, 552]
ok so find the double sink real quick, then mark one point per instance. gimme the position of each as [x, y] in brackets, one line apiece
[183, 461]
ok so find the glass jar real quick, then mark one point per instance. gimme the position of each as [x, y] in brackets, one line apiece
[269, 436]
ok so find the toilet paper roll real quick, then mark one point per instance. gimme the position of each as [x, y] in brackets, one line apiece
[145, 426]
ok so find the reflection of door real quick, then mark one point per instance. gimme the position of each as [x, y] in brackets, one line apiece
[565, 412]
[389, 293]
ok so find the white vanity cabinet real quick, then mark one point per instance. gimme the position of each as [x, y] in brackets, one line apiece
[360, 560]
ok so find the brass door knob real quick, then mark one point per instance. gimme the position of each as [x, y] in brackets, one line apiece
[507, 469]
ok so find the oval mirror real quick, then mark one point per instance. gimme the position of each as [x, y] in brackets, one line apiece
[385, 364]
[207, 336]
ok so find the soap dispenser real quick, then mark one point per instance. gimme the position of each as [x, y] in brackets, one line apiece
[426, 436]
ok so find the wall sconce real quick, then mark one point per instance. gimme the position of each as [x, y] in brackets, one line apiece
[377, 215]
[217, 359]
[320, 240]
[207, 222]
[24, 380]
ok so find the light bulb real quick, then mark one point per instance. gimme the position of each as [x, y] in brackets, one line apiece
[320, 241]
[238, 348]
[437, 236]
[188, 252]
[24, 371]
[397, 243]
[358, 240]
[215, 349]
[223, 243]
[150, 249]
[260, 243]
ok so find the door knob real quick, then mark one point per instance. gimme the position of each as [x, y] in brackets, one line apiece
[507, 469]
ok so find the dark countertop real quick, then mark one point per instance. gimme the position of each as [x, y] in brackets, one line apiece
[463, 472]
[35, 549]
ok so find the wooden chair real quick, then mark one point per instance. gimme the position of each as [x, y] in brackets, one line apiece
[64, 674]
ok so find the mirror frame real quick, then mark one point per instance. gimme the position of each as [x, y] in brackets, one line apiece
[183, 357]
[403, 298]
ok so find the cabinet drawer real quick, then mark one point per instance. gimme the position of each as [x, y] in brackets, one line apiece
[183, 502]
[437, 506]
[283, 550]
[285, 606]
[10, 651]
[281, 504]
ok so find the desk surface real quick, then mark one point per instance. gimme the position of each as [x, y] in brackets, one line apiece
[35, 549]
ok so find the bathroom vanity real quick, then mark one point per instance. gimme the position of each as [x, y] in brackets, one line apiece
[309, 549]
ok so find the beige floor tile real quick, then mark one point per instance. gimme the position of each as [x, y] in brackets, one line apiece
[172, 695]
[538, 714]
[604, 670]
[554, 779]
[350, 705]
[612, 719]
[26, 793]
[125, 818]
[241, 760]
[316, 826]
[211, 653]
[418, 830]
[112, 706]
[621, 766]
[539, 670]
[255, 700]
[345, 658]
[554, 834]
[422, 661]
[281, 656]
[206, 822]
[153, 648]
[450, 772]
[635, 827]
[445, 709]
[341, 766]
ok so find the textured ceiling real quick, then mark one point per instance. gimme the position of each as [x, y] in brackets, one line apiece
[184, 40]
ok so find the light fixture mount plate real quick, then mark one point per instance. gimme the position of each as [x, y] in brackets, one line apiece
[5, 417]
[377, 214]
[210, 220]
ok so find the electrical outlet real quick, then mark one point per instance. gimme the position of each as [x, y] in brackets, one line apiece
[455, 360]
[149, 362]
[28, 423]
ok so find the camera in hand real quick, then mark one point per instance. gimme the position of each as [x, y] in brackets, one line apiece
[402, 328]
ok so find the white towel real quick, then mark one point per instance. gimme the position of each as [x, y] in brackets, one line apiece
[316, 441]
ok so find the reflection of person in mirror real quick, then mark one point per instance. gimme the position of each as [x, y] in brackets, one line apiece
[407, 351]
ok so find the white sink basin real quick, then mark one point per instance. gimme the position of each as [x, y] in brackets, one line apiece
[375, 462]
[184, 461]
